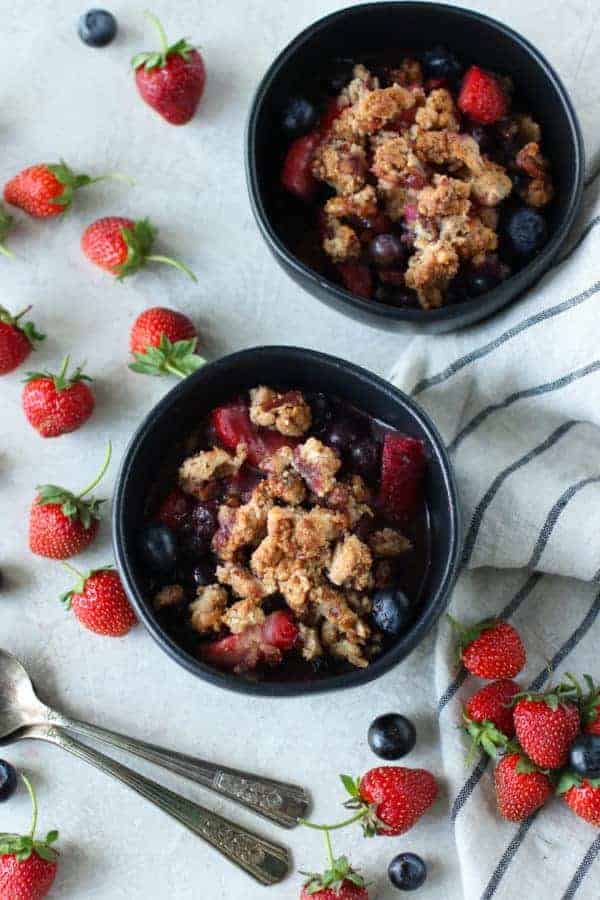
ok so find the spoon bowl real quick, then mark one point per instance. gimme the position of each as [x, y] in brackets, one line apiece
[19, 704]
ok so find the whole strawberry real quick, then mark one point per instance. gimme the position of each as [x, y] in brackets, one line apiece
[122, 246]
[391, 799]
[47, 190]
[490, 649]
[100, 603]
[57, 404]
[6, 224]
[27, 866]
[582, 795]
[520, 787]
[172, 79]
[546, 725]
[339, 881]
[16, 340]
[488, 715]
[164, 342]
[590, 707]
[62, 524]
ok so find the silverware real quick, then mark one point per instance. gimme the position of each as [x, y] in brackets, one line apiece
[282, 803]
[265, 861]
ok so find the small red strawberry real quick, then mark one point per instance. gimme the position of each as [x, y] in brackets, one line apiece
[16, 340]
[164, 342]
[546, 725]
[122, 246]
[62, 524]
[490, 649]
[520, 787]
[391, 799]
[172, 79]
[296, 174]
[488, 715]
[339, 882]
[403, 464]
[482, 97]
[27, 866]
[582, 795]
[6, 224]
[357, 278]
[100, 602]
[57, 404]
[47, 190]
[590, 707]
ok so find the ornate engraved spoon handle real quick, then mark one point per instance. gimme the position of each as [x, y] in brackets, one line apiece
[267, 862]
[283, 803]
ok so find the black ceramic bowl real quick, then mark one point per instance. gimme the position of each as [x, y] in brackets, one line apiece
[359, 32]
[180, 411]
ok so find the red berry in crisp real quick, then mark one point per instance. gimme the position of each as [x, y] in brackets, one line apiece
[393, 797]
[28, 866]
[17, 339]
[46, 190]
[490, 649]
[296, 174]
[100, 603]
[403, 464]
[493, 704]
[582, 795]
[482, 97]
[233, 427]
[331, 112]
[62, 524]
[172, 79]
[546, 725]
[520, 787]
[257, 644]
[122, 246]
[357, 278]
[163, 342]
[175, 510]
[57, 404]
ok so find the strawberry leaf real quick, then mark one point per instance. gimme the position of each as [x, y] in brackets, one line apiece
[168, 358]
[62, 381]
[351, 785]
[566, 781]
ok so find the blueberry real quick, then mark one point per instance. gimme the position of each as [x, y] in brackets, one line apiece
[299, 116]
[97, 27]
[202, 526]
[391, 611]
[321, 411]
[158, 548]
[407, 871]
[392, 736]
[342, 433]
[440, 62]
[484, 138]
[480, 281]
[8, 780]
[365, 458]
[339, 76]
[387, 250]
[584, 755]
[526, 231]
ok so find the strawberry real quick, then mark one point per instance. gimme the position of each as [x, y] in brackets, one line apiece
[390, 799]
[339, 882]
[175, 510]
[488, 715]
[100, 602]
[163, 342]
[47, 190]
[582, 795]
[296, 174]
[331, 112]
[62, 524]
[16, 340]
[27, 866]
[520, 787]
[172, 79]
[259, 643]
[482, 97]
[490, 649]
[546, 725]
[57, 404]
[6, 224]
[233, 426]
[403, 465]
[122, 246]
[590, 707]
[357, 278]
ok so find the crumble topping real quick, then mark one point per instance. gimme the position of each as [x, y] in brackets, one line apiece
[170, 595]
[287, 413]
[208, 465]
[318, 465]
[388, 543]
[206, 613]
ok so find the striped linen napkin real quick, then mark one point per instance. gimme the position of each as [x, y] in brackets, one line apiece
[517, 400]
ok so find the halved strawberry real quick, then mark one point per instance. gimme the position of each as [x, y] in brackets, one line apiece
[331, 112]
[357, 279]
[482, 97]
[296, 174]
[233, 426]
[259, 643]
[403, 465]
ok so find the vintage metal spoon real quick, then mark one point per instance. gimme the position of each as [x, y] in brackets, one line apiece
[283, 803]
[265, 861]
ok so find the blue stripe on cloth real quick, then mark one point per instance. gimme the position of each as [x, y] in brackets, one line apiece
[582, 869]
[553, 516]
[507, 857]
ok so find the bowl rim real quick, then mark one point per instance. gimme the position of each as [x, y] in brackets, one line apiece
[436, 605]
[532, 271]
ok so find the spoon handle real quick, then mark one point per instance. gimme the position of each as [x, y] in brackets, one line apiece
[282, 803]
[265, 861]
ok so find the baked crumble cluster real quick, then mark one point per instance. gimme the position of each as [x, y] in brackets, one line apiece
[417, 170]
[295, 530]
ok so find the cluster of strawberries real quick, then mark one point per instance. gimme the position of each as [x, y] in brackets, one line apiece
[544, 743]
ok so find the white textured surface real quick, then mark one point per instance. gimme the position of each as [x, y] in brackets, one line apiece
[60, 98]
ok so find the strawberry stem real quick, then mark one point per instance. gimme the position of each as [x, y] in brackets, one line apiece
[115, 176]
[34, 806]
[65, 366]
[330, 857]
[6, 252]
[344, 824]
[72, 569]
[100, 475]
[164, 44]
[173, 262]
[22, 313]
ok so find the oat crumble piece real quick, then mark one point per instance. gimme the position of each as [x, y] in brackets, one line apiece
[429, 272]
[318, 465]
[287, 413]
[363, 204]
[362, 83]
[206, 612]
[491, 186]
[351, 564]
[342, 647]
[311, 645]
[242, 615]
[278, 462]
[341, 242]
[210, 464]
[380, 107]
[242, 582]
[387, 542]
[243, 525]
[539, 191]
[445, 197]
[170, 595]
[439, 112]
[342, 164]
[408, 73]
